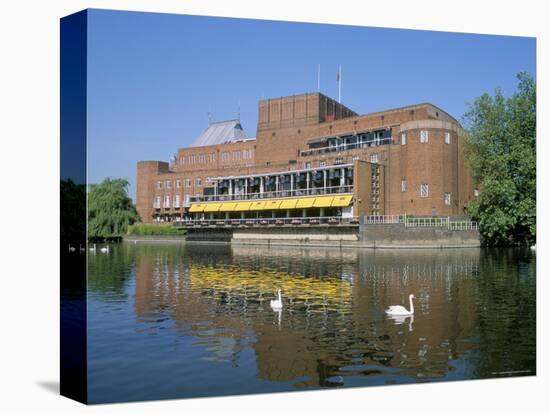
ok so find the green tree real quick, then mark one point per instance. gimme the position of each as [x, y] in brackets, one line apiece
[110, 210]
[502, 153]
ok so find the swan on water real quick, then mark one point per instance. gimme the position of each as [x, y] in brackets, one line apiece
[278, 303]
[105, 249]
[71, 248]
[401, 310]
[92, 249]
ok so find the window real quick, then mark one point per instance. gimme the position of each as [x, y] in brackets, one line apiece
[198, 181]
[447, 137]
[423, 137]
[374, 158]
[403, 139]
[447, 199]
[338, 161]
[403, 185]
[187, 182]
[307, 165]
[156, 204]
[177, 201]
[159, 184]
[178, 184]
[168, 184]
[322, 163]
[166, 201]
[423, 190]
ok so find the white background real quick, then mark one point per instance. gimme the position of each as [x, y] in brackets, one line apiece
[29, 163]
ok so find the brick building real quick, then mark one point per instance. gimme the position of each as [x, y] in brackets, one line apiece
[313, 157]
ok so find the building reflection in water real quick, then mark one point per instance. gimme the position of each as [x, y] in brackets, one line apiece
[332, 328]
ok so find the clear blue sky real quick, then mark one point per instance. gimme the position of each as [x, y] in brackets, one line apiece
[154, 77]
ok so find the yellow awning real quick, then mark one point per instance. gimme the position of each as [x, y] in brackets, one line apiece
[257, 205]
[341, 201]
[290, 203]
[228, 206]
[243, 206]
[196, 208]
[272, 204]
[305, 202]
[323, 202]
[210, 207]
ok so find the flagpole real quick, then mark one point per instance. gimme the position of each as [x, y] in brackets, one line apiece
[319, 77]
[340, 84]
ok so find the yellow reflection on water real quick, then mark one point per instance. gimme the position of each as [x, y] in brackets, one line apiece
[330, 292]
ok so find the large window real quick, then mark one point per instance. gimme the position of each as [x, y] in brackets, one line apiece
[447, 137]
[198, 181]
[322, 163]
[178, 183]
[168, 184]
[403, 185]
[166, 201]
[156, 203]
[423, 137]
[374, 158]
[424, 190]
[159, 184]
[177, 201]
[403, 139]
[447, 199]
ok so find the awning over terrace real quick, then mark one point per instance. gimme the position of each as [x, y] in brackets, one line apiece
[276, 204]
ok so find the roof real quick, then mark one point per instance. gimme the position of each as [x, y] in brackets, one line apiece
[220, 133]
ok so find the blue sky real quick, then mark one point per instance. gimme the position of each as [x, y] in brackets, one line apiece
[153, 78]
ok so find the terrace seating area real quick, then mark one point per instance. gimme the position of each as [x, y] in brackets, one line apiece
[274, 222]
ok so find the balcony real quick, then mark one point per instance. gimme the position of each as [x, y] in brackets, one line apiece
[346, 147]
[299, 192]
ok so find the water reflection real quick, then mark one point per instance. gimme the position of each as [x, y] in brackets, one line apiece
[332, 330]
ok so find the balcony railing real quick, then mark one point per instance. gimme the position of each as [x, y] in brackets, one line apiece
[422, 222]
[282, 221]
[298, 192]
[346, 147]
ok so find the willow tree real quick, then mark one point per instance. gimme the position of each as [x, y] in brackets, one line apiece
[502, 154]
[110, 210]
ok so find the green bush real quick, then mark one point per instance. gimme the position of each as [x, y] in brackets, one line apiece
[155, 230]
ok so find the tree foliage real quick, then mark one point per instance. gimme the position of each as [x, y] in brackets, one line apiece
[110, 210]
[502, 153]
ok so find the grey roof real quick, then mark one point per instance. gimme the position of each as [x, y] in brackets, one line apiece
[219, 133]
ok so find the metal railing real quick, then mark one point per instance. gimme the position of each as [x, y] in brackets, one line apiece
[463, 226]
[395, 219]
[422, 222]
[280, 221]
[346, 147]
[427, 221]
[297, 192]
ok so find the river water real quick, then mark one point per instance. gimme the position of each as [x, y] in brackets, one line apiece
[174, 321]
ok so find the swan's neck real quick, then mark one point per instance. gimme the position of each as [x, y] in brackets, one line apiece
[279, 294]
[412, 305]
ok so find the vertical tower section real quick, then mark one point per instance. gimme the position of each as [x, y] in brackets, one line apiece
[145, 193]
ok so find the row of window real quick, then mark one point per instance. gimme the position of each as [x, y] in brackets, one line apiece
[246, 154]
[186, 183]
[167, 200]
[425, 190]
[424, 137]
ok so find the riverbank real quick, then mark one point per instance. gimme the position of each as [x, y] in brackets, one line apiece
[392, 236]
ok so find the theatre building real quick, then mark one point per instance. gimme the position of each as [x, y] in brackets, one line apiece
[313, 159]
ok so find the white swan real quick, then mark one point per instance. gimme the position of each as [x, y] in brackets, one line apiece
[401, 310]
[278, 303]
[92, 249]
[71, 248]
[105, 249]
